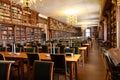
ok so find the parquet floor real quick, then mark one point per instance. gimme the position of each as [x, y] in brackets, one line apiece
[94, 68]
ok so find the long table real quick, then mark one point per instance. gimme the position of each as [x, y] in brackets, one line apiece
[44, 56]
[83, 53]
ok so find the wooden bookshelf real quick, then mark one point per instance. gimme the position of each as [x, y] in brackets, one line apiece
[109, 13]
[18, 24]
[113, 27]
[20, 34]
[37, 34]
[5, 12]
[58, 29]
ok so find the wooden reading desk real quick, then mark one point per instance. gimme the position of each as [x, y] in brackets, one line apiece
[43, 56]
[83, 49]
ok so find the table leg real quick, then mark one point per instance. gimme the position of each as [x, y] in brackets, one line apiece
[21, 70]
[76, 70]
[71, 70]
[83, 57]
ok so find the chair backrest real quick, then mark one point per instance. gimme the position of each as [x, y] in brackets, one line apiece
[18, 49]
[5, 67]
[32, 57]
[2, 57]
[21, 47]
[43, 70]
[69, 50]
[30, 50]
[57, 50]
[2, 48]
[59, 62]
[76, 49]
[62, 48]
[44, 48]
[38, 44]
[35, 47]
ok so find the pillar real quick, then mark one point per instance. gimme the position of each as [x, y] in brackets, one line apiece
[105, 29]
[118, 23]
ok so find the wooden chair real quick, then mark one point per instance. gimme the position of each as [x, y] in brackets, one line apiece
[30, 50]
[18, 49]
[15, 66]
[35, 47]
[76, 49]
[60, 65]
[2, 57]
[45, 48]
[21, 47]
[69, 50]
[43, 70]
[3, 49]
[57, 50]
[62, 48]
[31, 58]
[5, 67]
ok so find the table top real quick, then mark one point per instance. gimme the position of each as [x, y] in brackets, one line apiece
[46, 56]
[82, 48]
[11, 55]
[87, 44]
[43, 56]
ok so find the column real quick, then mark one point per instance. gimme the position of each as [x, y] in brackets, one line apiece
[118, 23]
[105, 29]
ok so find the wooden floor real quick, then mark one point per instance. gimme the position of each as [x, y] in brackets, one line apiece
[94, 68]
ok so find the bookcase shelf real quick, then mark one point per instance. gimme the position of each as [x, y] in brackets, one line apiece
[113, 27]
[59, 29]
[18, 24]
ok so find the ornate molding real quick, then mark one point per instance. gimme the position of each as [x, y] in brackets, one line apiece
[118, 2]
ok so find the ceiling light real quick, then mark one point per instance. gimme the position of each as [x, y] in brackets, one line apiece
[26, 3]
[71, 19]
[83, 26]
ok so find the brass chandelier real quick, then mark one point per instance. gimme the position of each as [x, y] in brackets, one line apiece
[26, 3]
[72, 19]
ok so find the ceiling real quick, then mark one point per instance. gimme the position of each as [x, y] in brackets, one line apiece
[87, 11]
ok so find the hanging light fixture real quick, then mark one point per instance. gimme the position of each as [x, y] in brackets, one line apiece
[71, 16]
[72, 19]
[83, 27]
[26, 3]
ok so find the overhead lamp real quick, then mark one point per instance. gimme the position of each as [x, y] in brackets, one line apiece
[83, 27]
[71, 16]
[71, 19]
[26, 3]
